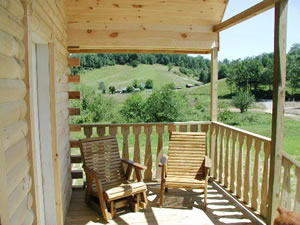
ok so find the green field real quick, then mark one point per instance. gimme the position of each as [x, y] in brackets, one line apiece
[122, 76]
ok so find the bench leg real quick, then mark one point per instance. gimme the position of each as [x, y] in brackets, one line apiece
[113, 209]
[162, 192]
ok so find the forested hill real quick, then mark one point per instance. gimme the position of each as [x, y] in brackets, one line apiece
[253, 71]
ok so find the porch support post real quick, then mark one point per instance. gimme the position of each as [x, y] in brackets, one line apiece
[213, 102]
[279, 80]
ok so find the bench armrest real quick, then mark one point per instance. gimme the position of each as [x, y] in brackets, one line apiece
[207, 162]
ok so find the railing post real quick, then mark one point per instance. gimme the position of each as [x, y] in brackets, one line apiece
[279, 79]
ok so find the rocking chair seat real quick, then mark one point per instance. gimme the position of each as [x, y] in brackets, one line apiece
[124, 190]
[184, 182]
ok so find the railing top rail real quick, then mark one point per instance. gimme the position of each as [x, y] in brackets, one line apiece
[290, 159]
[145, 124]
[263, 138]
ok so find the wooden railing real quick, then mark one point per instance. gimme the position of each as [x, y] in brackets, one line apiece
[290, 186]
[141, 142]
[241, 164]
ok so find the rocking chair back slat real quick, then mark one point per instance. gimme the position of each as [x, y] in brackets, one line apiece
[102, 155]
[186, 155]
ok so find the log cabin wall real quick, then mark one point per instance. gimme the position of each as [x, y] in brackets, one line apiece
[47, 20]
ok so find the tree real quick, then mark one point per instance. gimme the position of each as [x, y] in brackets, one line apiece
[293, 71]
[135, 84]
[170, 66]
[129, 89]
[149, 84]
[101, 87]
[133, 109]
[112, 89]
[165, 105]
[243, 100]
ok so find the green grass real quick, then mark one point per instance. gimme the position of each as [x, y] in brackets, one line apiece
[123, 76]
[291, 141]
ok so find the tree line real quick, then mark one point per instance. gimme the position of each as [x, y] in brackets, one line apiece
[251, 74]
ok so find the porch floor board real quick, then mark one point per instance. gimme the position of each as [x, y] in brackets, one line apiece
[180, 207]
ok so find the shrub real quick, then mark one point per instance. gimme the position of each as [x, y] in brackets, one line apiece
[135, 84]
[170, 66]
[134, 63]
[165, 105]
[149, 84]
[129, 89]
[133, 109]
[112, 89]
[101, 87]
[243, 100]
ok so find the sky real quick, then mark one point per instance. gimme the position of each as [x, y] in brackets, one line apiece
[256, 35]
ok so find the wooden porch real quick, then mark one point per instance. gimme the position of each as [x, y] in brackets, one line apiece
[181, 207]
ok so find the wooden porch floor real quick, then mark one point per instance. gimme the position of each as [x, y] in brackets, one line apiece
[181, 207]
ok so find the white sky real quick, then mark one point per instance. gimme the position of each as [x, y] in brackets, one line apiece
[256, 35]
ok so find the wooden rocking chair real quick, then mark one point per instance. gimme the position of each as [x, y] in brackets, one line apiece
[186, 165]
[106, 179]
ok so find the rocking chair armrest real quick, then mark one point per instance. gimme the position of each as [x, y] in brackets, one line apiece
[91, 172]
[163, 161]
[207, 162]
[134, 164]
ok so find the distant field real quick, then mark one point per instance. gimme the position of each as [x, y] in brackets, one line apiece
[122, 76]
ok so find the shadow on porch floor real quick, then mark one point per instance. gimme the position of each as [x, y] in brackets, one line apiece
[180, 207]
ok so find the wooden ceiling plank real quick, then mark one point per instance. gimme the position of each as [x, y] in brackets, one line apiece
[247, 14]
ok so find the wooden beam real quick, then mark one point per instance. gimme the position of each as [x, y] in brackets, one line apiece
[74, 49]
[74, 79]
[247, 14]
[74, 62]
[77, 174]
[76, 159]
[74, 94]
[279, 80]
[75, 128]
[213, 102]
[74, 111]
[214, 85]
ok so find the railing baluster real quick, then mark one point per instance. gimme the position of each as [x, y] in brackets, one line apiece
[204, 128]
[136, 154]
[160, 131]
[255, 175]
[239, 169]
[247, 170]
[216, 151]
[232, 168]
[264, 187]
[101, 131]
[88, 131]
[221, 155]
[171, 128]
[125, 133]
[183, 128]
[148, 153]
[226, 157]
[194, 128]
[113, 130]
[286, 186]
[297, 197]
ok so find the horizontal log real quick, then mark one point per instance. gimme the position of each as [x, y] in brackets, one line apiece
[12, 112]
[74, 62]
[77, 174]
[74, 143]
[16, 175]
[14, 133]
[74, 94]
[16, 154]
[10, 46]
[12, 90]
[10, 25]
[74, 111]
[76, 159]
[74, 78]
[75, 128]
[18, 195]
[13, 69]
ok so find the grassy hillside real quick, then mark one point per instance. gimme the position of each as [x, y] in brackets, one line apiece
[122, 76]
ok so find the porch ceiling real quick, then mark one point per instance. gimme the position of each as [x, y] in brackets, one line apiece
[143, 25]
